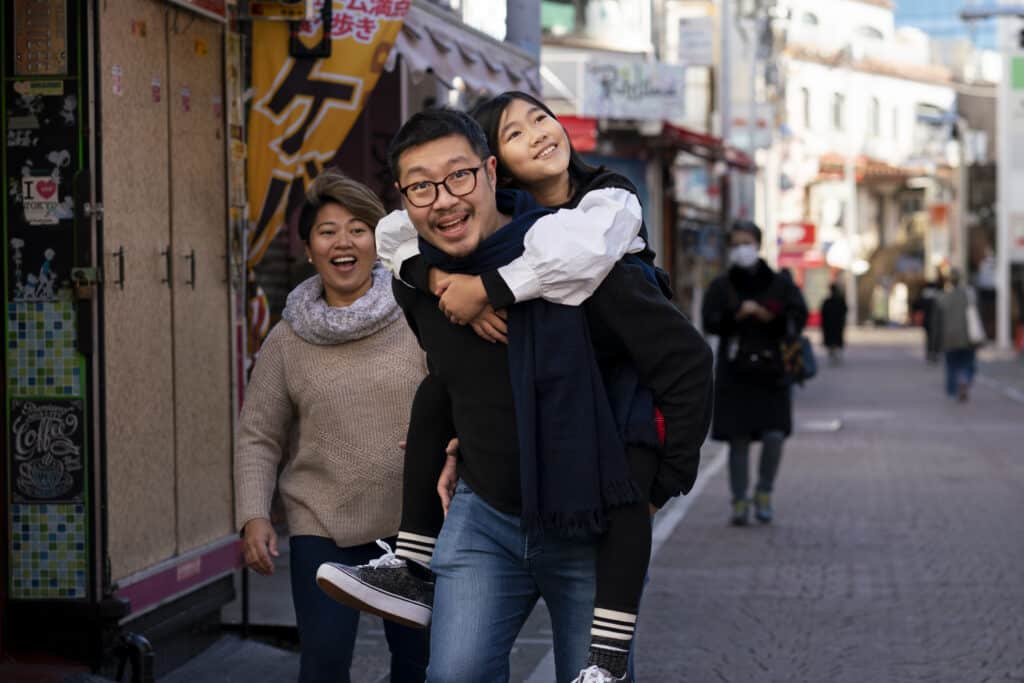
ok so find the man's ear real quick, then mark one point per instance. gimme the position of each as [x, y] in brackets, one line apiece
[491, 167]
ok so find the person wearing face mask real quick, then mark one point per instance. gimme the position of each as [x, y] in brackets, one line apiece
[752, 309]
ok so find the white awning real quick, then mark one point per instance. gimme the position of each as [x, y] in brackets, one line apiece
[432, 39]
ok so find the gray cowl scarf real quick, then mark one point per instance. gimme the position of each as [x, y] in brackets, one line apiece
[316, 322]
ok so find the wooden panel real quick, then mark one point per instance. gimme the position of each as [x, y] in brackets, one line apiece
[134, 163]
[202, 377]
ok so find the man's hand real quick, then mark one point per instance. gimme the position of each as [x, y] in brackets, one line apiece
[449, 477]
[259, 543]
[491, 326]
[463, 298]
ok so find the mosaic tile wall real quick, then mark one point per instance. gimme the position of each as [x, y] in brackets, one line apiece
[48, 551]
[49, 558]
[41, 355]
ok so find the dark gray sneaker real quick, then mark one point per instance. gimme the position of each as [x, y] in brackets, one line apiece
[387, 587]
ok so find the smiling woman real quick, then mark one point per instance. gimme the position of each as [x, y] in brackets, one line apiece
[327, 403]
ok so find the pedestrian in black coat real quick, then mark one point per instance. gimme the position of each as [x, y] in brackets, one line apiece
[833, 323]
[753, 310]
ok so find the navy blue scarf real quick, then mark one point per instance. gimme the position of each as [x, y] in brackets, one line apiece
[572, 458]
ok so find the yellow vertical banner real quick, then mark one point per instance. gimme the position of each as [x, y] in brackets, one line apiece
[304, 107]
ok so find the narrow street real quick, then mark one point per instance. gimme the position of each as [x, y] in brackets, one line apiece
[896, 553]
[897, 550]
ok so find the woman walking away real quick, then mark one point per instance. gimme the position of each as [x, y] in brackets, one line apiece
[833, 323]
[329, 397]
[952, 328]
[752, 309]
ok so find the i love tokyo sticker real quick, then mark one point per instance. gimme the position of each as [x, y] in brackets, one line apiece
[40, 198]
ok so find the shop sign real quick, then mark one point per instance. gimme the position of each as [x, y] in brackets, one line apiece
[303, 108]
[214, 9]
[582, 132]
[287, 10]
[797, 236]
[697, 41]
[46, 442]
[621, 89]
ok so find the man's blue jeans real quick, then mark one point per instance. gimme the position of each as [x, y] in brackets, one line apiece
[489, 576]
[327, 629]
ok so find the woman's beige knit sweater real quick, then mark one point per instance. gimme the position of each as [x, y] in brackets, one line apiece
[340, 411]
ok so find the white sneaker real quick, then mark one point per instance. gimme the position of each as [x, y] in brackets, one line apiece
[595, 674]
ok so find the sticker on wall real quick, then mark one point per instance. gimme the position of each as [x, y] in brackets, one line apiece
[154, 90]
[42, 359]
[21, 138]
[39, 87]
[218, 106]
[40, 37]
[186, 99]
[67, 111]
[40, 200]
[46, 441]
[138, 28]
[115, 80]
[33, 282]
[200, 47]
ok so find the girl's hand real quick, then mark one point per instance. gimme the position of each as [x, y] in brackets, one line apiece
[463, 298]
[491, 326]
[449, 476]
[437, 280]
[259, 543]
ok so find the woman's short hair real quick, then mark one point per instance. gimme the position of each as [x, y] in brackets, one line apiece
[334, 187]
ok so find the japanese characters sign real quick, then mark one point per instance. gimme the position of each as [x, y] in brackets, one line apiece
[304, 108]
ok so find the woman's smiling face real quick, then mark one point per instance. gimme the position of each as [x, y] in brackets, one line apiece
[343, 252]
[533, 145]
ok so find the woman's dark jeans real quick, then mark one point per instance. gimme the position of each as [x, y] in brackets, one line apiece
[739, 463]
[327, 629]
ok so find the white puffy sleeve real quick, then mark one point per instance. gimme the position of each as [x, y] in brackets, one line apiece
[397, 241]
[569, 253]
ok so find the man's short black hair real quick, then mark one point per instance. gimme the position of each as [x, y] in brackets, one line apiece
[748, 227]
[433, 124]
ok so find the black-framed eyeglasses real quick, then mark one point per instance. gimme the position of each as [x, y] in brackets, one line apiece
[459, 183]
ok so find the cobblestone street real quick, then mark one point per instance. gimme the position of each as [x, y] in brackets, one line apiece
[897, 550]
[896, 554]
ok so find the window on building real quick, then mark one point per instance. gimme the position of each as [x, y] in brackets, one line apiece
[810, 19]
[559, 17]
[805, 107]
[838, 107]
[870, 32]
[875, 117]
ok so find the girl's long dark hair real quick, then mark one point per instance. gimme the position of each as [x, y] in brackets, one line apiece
[488, 115]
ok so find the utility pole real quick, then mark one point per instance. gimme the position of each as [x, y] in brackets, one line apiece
[1009, 205]
[725, 99]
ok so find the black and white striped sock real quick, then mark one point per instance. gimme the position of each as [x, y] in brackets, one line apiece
[415, 547]
[611, 635]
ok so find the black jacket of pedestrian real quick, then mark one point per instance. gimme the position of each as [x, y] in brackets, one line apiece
[833, 320]
[744, 408]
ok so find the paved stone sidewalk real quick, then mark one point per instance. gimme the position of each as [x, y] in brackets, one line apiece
[896, 555]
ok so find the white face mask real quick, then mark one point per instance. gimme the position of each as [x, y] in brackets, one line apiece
[744, 256]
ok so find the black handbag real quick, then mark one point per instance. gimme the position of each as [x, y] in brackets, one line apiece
[758, 361]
